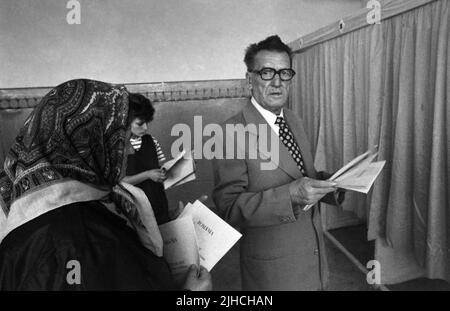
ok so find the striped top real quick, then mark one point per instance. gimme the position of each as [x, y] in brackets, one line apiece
[137, 143]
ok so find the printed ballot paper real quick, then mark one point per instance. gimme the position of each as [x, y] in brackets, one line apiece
[198, 235]
[359, 174]
[179, 170]
[179, 246]
[214, 236]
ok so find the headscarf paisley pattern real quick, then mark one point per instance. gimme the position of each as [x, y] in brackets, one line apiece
[77, 132]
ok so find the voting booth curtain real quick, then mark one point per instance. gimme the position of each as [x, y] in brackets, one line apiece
[388, 84]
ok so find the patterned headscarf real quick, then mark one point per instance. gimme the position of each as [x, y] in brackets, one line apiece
[70, 149]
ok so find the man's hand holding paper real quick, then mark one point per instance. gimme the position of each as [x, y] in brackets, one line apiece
[359, 174]
[306, 190]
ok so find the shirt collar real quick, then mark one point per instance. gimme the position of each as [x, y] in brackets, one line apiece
[268, 115]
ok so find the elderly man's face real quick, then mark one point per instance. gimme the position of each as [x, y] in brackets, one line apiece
[273, 94]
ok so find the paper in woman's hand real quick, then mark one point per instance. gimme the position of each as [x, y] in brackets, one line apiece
[179, 170]
[180, 246]
[214, 236]
[198, 234]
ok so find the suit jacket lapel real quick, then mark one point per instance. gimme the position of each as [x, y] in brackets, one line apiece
[286, 162]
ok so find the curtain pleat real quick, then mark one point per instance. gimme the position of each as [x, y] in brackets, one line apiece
[388, 85]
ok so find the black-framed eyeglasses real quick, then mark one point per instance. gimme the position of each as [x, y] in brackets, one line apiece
[266, 73]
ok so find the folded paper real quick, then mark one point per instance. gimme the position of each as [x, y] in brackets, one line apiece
[180, 246]
[179, 170]
[359, 174]
[214, 236]
[198, 235]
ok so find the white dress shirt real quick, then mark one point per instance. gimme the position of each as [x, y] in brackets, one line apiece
[268, 115]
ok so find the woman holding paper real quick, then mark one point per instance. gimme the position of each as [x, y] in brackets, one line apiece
[66, 223]
[144, 163]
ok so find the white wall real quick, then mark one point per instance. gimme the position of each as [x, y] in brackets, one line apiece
[147, 40]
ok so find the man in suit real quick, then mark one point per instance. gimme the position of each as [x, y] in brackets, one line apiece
[282, 247]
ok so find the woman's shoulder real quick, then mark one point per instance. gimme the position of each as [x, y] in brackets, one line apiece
[147, 137]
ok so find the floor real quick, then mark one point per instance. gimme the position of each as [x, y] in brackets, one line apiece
[344, 275]
[354, 240]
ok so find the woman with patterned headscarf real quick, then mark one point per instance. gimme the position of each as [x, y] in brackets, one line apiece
[66, 223]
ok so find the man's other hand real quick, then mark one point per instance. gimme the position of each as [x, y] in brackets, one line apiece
[309, 191]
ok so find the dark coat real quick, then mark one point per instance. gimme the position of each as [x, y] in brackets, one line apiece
[39, 255]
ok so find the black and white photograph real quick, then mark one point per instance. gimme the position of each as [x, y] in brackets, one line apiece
[233, 148]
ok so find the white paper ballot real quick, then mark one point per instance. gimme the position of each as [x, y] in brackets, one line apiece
[359, 174]
[169, 164]
[361, 181]
[179, 170]
[355, 166]
[180, 246]
[214, 236]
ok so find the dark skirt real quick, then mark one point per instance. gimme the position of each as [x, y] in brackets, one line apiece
[81, 246]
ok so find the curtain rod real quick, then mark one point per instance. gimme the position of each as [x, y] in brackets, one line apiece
[388, 9]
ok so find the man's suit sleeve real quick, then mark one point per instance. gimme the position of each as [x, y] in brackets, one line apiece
[333, 198]
[241, 208]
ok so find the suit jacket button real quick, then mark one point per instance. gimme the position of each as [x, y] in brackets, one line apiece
[316, 252]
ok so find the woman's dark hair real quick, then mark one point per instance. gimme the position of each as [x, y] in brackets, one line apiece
[272, 43]
[140, 107]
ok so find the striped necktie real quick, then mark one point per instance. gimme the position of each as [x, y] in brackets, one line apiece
[288, 140]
